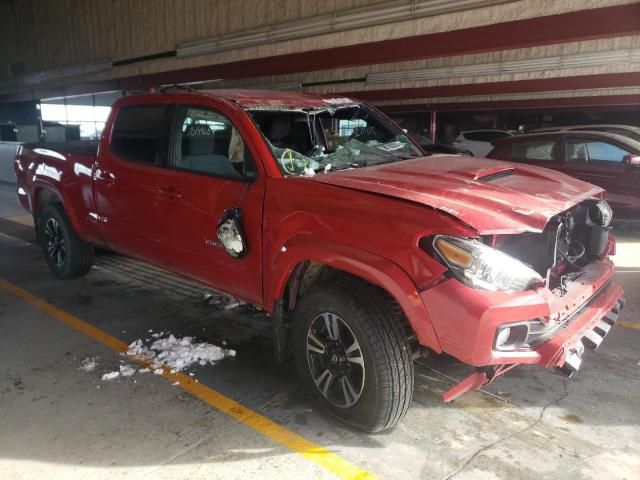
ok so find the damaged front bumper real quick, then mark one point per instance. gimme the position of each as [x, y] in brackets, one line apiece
[581, 318]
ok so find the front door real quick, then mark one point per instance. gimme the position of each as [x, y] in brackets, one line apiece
[210, 170]
[126, 181]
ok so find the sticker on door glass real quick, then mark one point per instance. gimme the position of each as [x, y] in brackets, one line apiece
[391, 146]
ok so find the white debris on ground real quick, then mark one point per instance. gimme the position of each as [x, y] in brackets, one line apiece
[178, 353]
[167, 351]
[127, 370]
[110, 375]
[88, 364]
[221, 300]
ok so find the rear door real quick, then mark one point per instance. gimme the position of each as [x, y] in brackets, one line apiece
[600, 161]
[205, 177]
[126, 181]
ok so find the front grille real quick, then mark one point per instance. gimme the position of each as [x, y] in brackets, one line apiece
[541, 332]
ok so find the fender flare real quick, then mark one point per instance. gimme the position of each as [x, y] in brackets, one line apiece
[371, 267]
[40, 185]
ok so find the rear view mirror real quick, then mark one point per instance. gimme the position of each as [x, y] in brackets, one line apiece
[631, 160]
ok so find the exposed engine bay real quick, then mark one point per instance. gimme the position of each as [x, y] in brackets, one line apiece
[569, 242]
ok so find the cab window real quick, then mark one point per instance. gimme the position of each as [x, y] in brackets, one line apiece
[138, 133]
[208, 143]
[541, 150]
[593, 151]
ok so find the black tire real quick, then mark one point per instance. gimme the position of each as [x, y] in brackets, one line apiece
[66, 254]
[376, 323]
[468, 152]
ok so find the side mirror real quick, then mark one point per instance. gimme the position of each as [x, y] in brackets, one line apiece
[230, 233]
[250, 173]
[631, 160]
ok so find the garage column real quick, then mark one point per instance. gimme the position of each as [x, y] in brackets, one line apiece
[433, 125]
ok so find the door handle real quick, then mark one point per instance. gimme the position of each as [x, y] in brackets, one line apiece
[171, 193]
[105, 177]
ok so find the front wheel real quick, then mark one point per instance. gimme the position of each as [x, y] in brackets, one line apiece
[352, 354]
[66, 254]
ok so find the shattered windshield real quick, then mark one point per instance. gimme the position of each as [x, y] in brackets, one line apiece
[311, 140]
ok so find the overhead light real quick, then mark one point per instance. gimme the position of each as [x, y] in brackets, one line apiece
[189, 84]
[380, 14]
[559, 62]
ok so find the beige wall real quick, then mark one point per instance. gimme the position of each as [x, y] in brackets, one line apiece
[62, 32]
[45, 34]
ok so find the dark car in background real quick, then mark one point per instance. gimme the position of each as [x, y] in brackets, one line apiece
[608, 160]
[624, 130]
[431, 148]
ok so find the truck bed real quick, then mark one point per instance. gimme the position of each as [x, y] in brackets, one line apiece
[61, 171]
[84, 147]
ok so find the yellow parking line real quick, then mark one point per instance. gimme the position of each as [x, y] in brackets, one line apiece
[297, 443]
[628, 324]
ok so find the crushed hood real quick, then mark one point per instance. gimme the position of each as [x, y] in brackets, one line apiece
[493, 197]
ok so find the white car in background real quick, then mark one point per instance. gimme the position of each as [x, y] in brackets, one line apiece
[478, 142]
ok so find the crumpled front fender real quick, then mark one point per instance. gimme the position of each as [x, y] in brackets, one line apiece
[361, 263]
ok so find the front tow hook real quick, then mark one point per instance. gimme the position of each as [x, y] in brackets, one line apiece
[573, 359]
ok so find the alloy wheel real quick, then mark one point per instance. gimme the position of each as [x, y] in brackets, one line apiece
[56, 248]
[335, 360]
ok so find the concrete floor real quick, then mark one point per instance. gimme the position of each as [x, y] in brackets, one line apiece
[60, 422]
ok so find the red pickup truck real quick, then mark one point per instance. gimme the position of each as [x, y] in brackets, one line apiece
[326, 214]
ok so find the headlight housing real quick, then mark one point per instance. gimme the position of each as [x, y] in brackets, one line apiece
[485, 268]
[600, 214]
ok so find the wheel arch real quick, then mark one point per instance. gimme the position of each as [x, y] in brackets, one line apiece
[304, 256]
[45, 194]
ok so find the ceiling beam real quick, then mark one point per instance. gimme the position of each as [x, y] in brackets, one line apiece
[605, 22]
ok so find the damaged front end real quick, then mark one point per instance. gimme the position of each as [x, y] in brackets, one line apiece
[569, 242]
[567, 358]
[555, 298]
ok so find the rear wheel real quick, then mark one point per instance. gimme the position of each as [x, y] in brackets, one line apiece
[353, 355]
[66, 254]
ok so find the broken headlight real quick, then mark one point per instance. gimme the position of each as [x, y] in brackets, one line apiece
[600, 214]
[485, 268]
